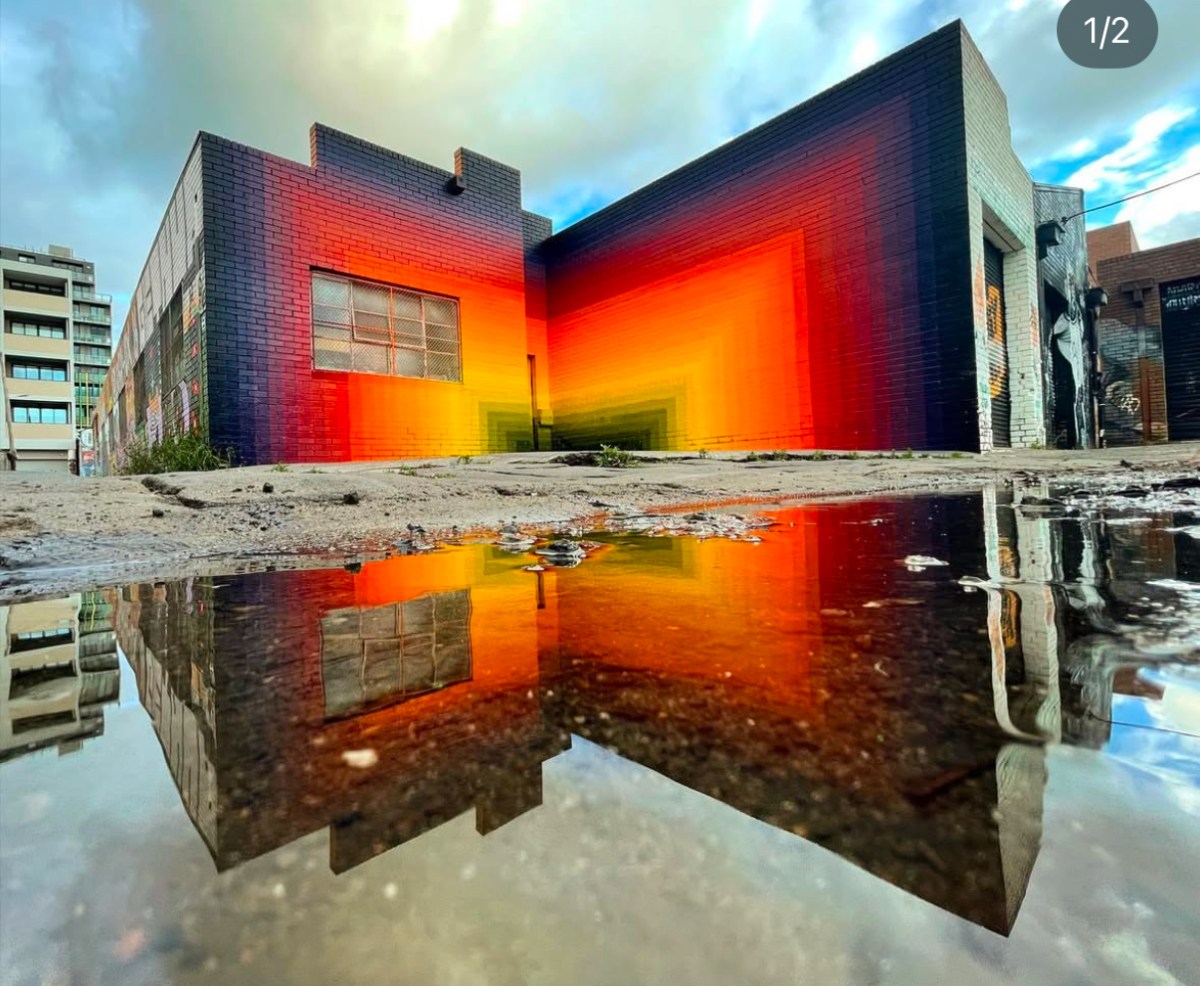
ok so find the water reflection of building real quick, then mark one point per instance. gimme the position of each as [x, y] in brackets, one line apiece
[58, 668]
[791, 680]
[1060, 587]
[256, 701]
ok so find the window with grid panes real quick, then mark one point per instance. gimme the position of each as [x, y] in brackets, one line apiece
[365, 327]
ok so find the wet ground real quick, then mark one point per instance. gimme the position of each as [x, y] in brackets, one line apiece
[928, 739]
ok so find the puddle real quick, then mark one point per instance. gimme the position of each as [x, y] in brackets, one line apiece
[907, 740]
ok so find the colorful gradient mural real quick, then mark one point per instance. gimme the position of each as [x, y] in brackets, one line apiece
[807, 285]
[802, 286]
[366, 213]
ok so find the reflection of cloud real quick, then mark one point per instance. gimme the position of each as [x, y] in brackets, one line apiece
[1141, 738]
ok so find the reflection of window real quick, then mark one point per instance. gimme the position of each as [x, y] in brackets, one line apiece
[37, 639]
[372, 657]
[363, 327]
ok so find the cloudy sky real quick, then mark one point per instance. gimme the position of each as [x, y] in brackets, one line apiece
[100, 99]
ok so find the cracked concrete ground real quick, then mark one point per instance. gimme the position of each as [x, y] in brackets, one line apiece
[62, 533]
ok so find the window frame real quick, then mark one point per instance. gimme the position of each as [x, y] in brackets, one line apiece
[44, 330]
[39, 367]
[21, 412]
[356, 325]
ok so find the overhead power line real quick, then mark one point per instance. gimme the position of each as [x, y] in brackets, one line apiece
[1135, 195]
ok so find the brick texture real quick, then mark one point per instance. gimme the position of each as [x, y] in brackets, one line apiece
[804, 285]
[810, 284]
[1130, 338]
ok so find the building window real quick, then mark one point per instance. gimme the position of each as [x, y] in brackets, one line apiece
[364, 327]
[41, 329]
[38, 371]
[39, 414]
[36, 287]
[91, 354]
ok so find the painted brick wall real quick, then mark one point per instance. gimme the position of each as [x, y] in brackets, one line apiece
[1063, 273]
[537, 230]
[805, 285]
[1130, 340]
[1109, 242]
[1000, 196]
[363, 211]
[156, 385]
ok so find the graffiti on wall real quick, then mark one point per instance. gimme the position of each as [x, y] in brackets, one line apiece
[997, 368]
[1132, 382]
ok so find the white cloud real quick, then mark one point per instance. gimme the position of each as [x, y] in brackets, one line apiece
[1171, 214]
[1126, 165]
[865, 52]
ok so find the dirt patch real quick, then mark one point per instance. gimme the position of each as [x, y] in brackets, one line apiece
[59, 533]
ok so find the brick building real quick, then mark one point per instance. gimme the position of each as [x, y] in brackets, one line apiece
[1148, 337]
[860, 272]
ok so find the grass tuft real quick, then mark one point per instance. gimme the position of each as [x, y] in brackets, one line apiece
[615, 457]
[189, 452]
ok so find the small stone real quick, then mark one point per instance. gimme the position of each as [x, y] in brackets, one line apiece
[351, 499]
[268, 487]
[360, 759]
[158, 512]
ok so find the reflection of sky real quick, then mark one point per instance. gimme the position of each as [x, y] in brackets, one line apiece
[1163, 735]
[621, 876]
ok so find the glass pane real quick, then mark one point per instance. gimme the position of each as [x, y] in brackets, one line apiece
[370, 298]
[441, 310]
[323, 330]
[405, 304]
[377, 337]
[335, 356]
[444, 347]
[443, 367]
[409, 332]
[331, 291]
[371, 320]
[448, 333]
[367, 358]
[327, 313]
[410, 363]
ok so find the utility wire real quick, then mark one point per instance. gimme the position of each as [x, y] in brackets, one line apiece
[1135, 195]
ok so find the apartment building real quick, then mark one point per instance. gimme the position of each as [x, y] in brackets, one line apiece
[55, 348]
[58, 669]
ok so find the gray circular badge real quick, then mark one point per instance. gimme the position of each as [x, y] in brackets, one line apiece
[1107, 33]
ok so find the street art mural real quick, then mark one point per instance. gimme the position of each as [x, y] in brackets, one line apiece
[807, 285]
[782, 291]
[1066, 324]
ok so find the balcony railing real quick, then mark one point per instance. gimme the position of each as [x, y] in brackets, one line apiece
[93, 358]
[97, 318]
[87, 294]
[92, 338]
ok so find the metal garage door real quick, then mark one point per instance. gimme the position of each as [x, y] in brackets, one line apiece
[997, 345]
[1180, 303]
